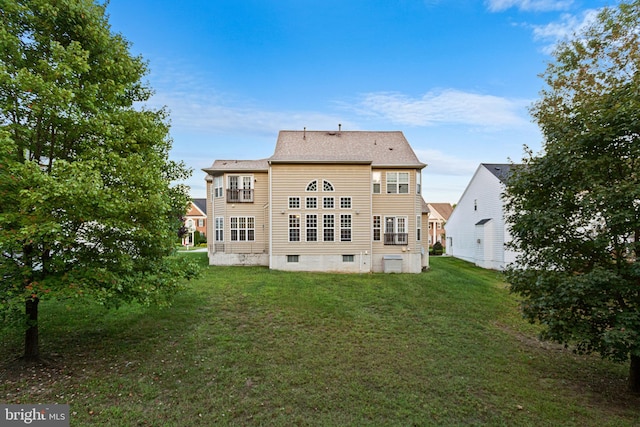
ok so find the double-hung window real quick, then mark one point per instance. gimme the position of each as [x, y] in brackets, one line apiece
[377, 227]
[345, 227]
[218, 190]
[294, 228]
[219, 229]
[328, 228]
[312, 227]
[397, 182]
[375, 181]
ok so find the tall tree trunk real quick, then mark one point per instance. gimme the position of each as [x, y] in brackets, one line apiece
[634, 374]
[31, 344]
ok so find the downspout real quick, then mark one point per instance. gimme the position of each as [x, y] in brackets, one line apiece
[270, 219]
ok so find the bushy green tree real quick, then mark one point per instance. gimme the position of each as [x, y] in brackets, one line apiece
[574, 210]
[87, 204]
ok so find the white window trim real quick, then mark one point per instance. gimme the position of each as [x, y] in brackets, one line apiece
[307, 228]
[374, 175]
[379, 227]
[290, 228]
[333, 202]
[398, 182]
[308, 199]
[246, 228]
[218, 186]
[219, 229]
[350, 202]
[333, 228]
[293, 199]
[350, 227]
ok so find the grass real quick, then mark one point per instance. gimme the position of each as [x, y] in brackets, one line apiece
[250, 346]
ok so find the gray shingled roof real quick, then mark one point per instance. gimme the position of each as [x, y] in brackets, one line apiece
[238, 165]
[375, 148]
[500, 170]
[201, 204]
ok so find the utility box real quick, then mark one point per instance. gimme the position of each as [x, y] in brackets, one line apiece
[392, 263]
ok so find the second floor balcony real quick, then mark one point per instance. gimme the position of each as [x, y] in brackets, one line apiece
[239, 196]
[396, 238]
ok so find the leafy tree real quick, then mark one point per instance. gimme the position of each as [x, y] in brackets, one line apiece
[575, 209]
[87, 207]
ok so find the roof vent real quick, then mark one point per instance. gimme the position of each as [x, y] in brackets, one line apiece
[339, 127]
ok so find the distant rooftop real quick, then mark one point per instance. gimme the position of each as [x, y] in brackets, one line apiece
[201, 204]
[444, 209]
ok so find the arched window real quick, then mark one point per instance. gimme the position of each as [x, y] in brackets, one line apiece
[312, 186]
[326, 185]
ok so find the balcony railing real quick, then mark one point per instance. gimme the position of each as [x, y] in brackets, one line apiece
[239, 196]
[396, 238]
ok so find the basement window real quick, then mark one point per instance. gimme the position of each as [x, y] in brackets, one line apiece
[293, 258]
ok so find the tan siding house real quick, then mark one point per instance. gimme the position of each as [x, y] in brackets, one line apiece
[325, 201]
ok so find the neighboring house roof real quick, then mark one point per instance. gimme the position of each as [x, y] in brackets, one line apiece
[500, 170]
[237, 166]
[443, 209]
[201, 204]
[380, 149]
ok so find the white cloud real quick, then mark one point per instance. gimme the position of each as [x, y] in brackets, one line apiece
[445, 164]
[563, 29]
[448, 106]
[213, 114]
[528, 5]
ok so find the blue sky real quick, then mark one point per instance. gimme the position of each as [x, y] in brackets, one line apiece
[456, 76]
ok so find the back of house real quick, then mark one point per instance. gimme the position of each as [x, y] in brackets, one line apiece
[346, 201]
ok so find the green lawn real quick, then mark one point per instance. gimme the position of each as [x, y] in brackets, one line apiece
[250, 346]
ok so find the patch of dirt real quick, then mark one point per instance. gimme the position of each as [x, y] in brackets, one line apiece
[34, 379]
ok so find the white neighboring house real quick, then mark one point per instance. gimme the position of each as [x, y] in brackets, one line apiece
[476, 230]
